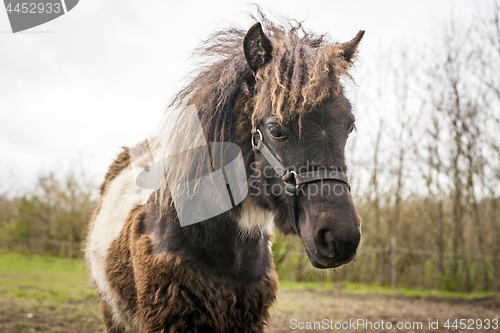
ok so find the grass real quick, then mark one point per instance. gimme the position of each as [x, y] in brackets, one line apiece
[43, 278]
[46, 293]
[359, 288]
[55, 279]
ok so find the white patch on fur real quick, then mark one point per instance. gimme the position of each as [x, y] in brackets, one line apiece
[254, 219]
[120, 198]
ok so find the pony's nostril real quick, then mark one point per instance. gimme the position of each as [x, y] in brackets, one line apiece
[325, 243]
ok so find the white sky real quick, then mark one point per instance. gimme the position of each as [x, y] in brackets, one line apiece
[99, 77]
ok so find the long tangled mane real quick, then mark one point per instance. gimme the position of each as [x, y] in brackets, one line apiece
[304, 72]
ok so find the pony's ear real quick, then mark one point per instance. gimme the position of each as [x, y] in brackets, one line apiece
[349, 48]
[257, 47]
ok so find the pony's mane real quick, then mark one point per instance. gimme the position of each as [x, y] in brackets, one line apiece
[304, 72]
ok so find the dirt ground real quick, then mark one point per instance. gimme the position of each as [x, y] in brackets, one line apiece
[311, 305]
[293, 309]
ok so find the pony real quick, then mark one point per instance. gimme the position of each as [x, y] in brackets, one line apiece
[275, 92]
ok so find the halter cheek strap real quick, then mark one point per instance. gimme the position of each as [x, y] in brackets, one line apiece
[293, 181]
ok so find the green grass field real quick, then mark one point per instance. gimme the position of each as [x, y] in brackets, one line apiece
[45, 293]
[359, 288]
[54, 279]
[43, 278]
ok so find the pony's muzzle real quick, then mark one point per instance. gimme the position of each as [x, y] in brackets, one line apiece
[330, 229]
[336, 248]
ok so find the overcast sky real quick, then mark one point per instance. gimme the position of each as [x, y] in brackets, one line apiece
[98, 78]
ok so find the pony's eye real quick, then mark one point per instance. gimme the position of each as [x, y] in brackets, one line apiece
[351, 128]
[353, 124]
[276, 131]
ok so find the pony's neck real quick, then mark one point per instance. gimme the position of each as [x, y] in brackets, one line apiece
[216, 246]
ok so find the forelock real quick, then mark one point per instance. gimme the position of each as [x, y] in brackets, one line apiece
[304, 72]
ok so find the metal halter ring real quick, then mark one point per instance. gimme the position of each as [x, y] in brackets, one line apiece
[253, 134]
[290, 179]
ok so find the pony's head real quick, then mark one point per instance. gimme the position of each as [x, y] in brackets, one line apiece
[302, 115]
[284, 86]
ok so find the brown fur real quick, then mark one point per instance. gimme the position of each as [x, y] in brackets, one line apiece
[120, 163]
[109, 325]
[168, 294]
[181, 299]
[119, 269]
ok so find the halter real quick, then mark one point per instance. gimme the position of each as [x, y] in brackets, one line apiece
[293, 181]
